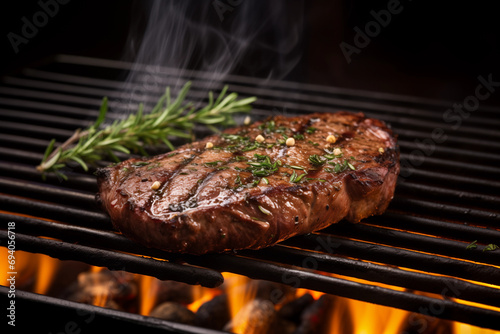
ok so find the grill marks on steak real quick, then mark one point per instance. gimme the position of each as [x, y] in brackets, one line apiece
[210, 201]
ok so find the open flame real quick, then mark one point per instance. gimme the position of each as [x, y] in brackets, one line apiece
[46, 269]
[240, 294]
[201, 295]
[142, 294]
[148, 291]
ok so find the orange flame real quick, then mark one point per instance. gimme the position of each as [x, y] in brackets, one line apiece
[148, 289]
[239, 294]
[201, 295]
[46, 271]
[100, 293]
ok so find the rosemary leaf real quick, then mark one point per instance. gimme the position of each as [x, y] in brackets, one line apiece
[168, 118]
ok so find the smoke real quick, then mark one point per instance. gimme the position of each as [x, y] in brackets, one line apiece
[172, 42]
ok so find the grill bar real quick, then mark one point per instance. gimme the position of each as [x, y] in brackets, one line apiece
[72, 233]
[117, 261]
[442, 204]
[62, 62]
[436, 227]
[77, 87]
[373, 294]
[87, 318]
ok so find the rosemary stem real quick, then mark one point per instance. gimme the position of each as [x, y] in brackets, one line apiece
[175, 119]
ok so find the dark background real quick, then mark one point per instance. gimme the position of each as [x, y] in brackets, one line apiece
[430, 49]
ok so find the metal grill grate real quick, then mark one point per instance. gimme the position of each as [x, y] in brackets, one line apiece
[447, 196]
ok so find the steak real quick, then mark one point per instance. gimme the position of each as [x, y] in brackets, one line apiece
[253, 186]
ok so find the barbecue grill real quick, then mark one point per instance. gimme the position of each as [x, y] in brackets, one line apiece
[445, 199]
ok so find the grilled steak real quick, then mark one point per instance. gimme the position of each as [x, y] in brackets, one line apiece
[255, 185]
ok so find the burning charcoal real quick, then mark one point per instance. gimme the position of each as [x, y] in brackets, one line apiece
[255, 317]
[292, 310]
[173, 312]
[120, 285]
[271, 291]
[282, 326]
[116, 290]
[315, 317]
[213, 314]
[171, 291]
[264, 290]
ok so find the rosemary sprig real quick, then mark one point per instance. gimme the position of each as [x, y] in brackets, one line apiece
[168, 118]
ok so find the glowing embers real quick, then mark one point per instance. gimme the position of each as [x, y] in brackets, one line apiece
[240, 305]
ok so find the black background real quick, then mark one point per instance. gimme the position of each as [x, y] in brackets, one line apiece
[430, 49]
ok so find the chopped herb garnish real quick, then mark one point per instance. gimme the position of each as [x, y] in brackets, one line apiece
[472, 245]
[153, 166]
[241, 158]
[316, 160]
[310, 130]
[295, 178]
[340, 167]
[296, 167]
[270, 127]
[238, 179]
[250, 147]
[315, 179]
[232, 137]
[140, 163]
[260, 156]
[265, 180]
[264, 211]
[262, 165]
[336, 153]
[299, 136]
[490, 247]
[212, 163]
[313, 143]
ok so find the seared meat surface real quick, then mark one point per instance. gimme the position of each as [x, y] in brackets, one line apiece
[252, 187]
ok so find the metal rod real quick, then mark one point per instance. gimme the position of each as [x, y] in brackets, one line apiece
[436, 209]
[68, 316]
[451, 230]
[418, 242]
[58, 212]
[400, 257]
[280, 254]
[54, 193]
[107, 63]
[29, 173]
[344, 288]
[117, 261]
[377, 273]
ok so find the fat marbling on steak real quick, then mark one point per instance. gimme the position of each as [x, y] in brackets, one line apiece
[252, 187]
